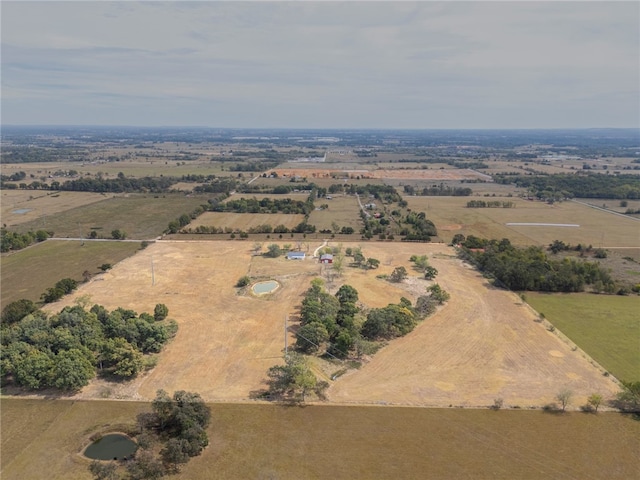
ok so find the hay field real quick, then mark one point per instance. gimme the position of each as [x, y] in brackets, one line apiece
[606, 326]
[316, 442]
[343, 210]
[29, 272]
[597, 228]
[141, 216]
[484, 344]
[21, 206]
[226, 342]
[245, 221]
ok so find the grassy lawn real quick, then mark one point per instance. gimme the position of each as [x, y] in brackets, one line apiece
[29, 272]
[607, 327]
[315, 442]
[140, 216]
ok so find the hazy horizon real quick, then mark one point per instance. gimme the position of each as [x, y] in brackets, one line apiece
[322, 65]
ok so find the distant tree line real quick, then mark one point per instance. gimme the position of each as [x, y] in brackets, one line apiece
[583, 186]
[64, 350]
[489, 204]
[439, 190]
[266, 205]
[531, 269]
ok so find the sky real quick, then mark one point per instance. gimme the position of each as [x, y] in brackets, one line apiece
[407, 65]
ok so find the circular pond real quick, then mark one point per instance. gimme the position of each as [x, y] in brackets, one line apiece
[111, 447]
[262, 288]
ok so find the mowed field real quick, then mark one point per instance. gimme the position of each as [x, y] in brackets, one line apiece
[21, 206]
[141, 216]
[245, 221]
[606, 326]
[343, 210]
[482, 345]
[596, 227]
[29, 272]
[44, 438]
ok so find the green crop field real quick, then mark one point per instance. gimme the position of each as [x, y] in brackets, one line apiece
[44, 438]
[29, 272]
[606, 327]
[141, 216]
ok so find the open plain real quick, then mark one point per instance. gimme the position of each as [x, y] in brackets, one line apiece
[482, 345]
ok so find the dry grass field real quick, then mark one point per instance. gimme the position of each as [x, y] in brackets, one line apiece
[245, 221]
[21, 206]
[483, 345]
[43, 439]
[29, 272]
[134, 167]
[597, 228]
[343, 210]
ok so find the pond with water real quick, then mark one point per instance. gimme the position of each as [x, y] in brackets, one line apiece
[265, 287]
[111, 447]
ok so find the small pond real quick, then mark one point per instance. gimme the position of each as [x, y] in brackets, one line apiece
[111, 447]
[21, 211]
[265, 287]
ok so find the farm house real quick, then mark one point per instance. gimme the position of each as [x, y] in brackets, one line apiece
[295, 255]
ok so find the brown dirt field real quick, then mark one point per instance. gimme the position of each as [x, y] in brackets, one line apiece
[482, 345]
[245, 221]
[41, 203]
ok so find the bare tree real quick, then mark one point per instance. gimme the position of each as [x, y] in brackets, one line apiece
[564, 397]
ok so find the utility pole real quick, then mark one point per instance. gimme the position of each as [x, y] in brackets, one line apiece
[153, 277]
[286, 349]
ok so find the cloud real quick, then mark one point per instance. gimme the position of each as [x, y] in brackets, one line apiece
[382, 64]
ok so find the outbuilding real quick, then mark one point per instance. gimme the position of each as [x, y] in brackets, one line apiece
[326, 258]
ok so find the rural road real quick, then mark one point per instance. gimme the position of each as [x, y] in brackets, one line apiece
[607, 210]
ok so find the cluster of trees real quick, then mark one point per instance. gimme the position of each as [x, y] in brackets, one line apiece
[336, 325]
[266, 205]
[439, 190]
[185, 219]
[421, 263]
[63, 350]
[418, 228]
[591, 185]
[383, 193]
[168, 437]
[530, 268]
[59, 290]
[17, 241]
[489, 204]
[359, 260]
[252, 166]
[558, 246]
[294, 380]
[120, 184]
[218, 185]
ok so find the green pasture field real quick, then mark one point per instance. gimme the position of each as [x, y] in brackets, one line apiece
[316, 442]
[141, 216]
[29, 272]
[343, 210]
[597, 228]
[245, 221]
[607, 327]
